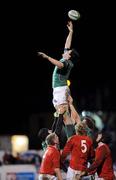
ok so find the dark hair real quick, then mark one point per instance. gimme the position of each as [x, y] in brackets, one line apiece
[89, 121]
[106, 138]
[43, 133]
[75, 55]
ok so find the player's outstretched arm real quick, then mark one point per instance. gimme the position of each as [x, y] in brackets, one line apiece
[69, 37]
[52, 60]
[58, 173]
[74, 114]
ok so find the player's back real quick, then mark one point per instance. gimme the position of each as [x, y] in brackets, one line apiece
[81, 148]
[60, 76]
[51, 158]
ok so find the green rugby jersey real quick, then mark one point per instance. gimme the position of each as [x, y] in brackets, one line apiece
[60, 76]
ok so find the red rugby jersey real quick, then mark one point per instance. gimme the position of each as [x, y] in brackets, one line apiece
[50, 161]
[103, 162]
[81, 149]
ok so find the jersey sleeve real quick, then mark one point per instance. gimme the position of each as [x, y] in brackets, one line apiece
[67, 149]
[99, 157]
[63, 71]
[59, 125]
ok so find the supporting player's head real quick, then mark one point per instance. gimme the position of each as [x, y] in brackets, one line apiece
[80, 129]
[52, 139]
[71, 54]
[43, 133]
[74, 55]
[104, 137]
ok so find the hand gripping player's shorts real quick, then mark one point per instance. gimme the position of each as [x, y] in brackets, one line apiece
[46, 176]
[74, 174]
[60, 95]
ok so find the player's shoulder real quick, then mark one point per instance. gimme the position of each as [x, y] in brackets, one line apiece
[89, 139]
[71, 138]
[103, 146]
[54, 150]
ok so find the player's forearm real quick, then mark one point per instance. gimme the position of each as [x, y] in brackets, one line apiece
[69, 40]
[66, 151]
[97, 162]
[58, 174]
[52, 60]
[94, 166]
[99, 158]
[55, 62]
[74, 114]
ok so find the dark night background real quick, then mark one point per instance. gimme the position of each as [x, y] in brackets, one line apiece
[32, 27]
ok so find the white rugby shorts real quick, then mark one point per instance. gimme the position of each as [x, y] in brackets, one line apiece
[60, 95]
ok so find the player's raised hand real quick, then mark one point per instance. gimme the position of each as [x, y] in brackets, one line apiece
[62, 109]
[70, 26]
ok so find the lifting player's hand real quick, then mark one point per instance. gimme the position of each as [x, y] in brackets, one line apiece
[70, 99]
[61, 109]
[79, 177]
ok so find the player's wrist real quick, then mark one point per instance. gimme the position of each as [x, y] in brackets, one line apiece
[71, 31]
[47, 57]
[62, 113]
